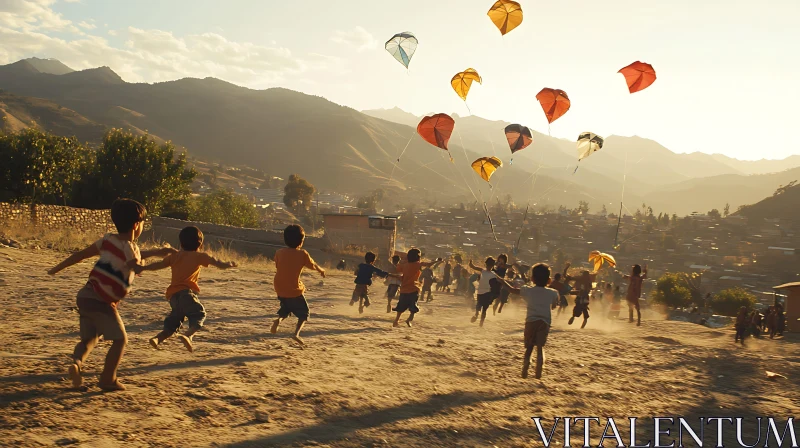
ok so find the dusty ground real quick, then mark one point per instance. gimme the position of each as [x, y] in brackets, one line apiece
[359, 382]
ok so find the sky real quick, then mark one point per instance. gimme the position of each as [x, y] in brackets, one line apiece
[728, 71]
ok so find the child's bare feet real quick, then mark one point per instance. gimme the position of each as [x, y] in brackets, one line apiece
[112, 387]
[389, 307]
[396, 324]
[526, 364]
[274, 328]
[408, 322]
[75, 375]
[361, 309]
[474, 319]
[352, 302]
[299, 340]
[187, 342]
[154, 343]
[571, 320]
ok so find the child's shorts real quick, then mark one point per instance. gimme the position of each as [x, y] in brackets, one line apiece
[295, 305]
[407, 302]
[581, 309]
[536, 333]
[484, 301]
[361, 292]
[392, 290]
[185, 305]
[98, 317]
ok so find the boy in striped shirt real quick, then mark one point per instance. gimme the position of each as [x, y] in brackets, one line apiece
[109, 282]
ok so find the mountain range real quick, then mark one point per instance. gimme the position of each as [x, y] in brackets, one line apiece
[338, 148]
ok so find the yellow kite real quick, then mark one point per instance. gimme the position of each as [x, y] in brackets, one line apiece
[486, 166]
[463, 81]
[506, 15]
[598, 258]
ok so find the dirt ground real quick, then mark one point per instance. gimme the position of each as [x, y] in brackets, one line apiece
[359, 382]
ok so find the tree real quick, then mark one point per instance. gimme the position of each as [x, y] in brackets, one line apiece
[671, 291]
[784, 188]
[583, 208]
[226, 208]
[39, 167]
[298, 194]
[604, 211]
[134, 167]
[714, 214]
[729, 301]
[727, 210]
[371, 202]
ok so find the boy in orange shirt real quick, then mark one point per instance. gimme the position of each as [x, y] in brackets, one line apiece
[411, 270]
[289, 264]
[182, 291]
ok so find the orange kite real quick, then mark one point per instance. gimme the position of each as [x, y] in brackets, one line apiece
[506, 15]
[555, 103]
[436, 129]
[639, 76]
[462, 82]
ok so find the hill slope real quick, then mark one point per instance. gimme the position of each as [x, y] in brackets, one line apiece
[17, 113]
[278, 130]
[782, 205]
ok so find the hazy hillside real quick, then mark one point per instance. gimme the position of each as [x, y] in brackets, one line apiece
[650, 165]
[51, 66]
[284, 132]
[762, 166]
[17, 113]
[704, 194]
[337, 148]
[783, 205]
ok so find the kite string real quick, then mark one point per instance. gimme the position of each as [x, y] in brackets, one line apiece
[401, 155]
[622, 198]
[485, 207]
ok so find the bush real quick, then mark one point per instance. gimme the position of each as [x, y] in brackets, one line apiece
[729, 301]
[134, 167]
[226, 208]
[671, 291]
[39, 167]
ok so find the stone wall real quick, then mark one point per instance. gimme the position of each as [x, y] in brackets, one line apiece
[55, 217]
[246, 241]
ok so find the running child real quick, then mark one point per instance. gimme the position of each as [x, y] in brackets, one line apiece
[540, 300]
[428, 279]
[109, 282]
[498, 293]
[410, 270]
[183, 289]
[488, 278]
[363, 281]
[392, 282]
[635, 292]
[289, 265]
[583, 287]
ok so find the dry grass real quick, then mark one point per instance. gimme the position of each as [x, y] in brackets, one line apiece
[63, 240]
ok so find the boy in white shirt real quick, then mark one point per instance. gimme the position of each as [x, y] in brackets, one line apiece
[540, 300]
[485, 293]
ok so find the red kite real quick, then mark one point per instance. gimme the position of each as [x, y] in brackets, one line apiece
[639, 76]
[436, 129]
[555, 103]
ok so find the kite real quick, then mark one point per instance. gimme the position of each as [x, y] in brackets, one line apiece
[598, 258]
[588, 143]
[639, 76]
[506, 15]
[402, 46]
[436, 129]
[519, 137]
[462, 82]
[555, 103]
[486, 166]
